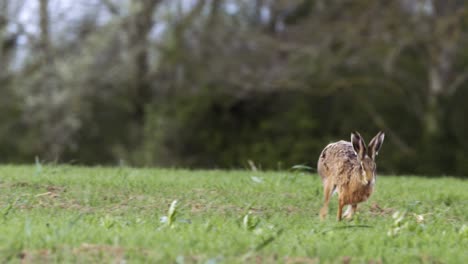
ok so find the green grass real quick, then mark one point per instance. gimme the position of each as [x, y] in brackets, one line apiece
[108, 215]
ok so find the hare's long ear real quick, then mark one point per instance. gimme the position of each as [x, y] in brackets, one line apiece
[376, 144]
[358, 145]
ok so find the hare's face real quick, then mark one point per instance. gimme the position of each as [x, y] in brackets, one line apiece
[365, 155]
[368, 168]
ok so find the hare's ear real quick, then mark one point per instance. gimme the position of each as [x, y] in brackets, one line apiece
[358, 145]
[376, 144]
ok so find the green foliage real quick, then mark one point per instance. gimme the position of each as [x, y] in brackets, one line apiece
[79, 214]
[272, 130]
[280, 130]
[212, 85]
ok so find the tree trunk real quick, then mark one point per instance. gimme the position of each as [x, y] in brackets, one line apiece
[3, 34]
[141, 25]
[44, 44]
[442, 49]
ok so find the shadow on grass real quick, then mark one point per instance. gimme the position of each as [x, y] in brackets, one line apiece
[345, 227]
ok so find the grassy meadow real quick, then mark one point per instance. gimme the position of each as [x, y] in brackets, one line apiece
[60, 214]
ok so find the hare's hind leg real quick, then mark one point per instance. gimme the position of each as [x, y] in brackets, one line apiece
[347, 212]
[350, 211]
[328, 189]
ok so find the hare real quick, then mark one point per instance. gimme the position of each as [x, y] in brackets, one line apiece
[348, 168]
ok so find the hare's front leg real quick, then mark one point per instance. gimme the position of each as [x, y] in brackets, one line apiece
[340, 209]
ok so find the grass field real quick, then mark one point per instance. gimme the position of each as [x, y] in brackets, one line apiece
[121, 215]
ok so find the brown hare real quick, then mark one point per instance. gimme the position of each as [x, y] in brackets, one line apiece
[348, 168]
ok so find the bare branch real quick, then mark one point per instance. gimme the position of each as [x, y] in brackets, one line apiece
[111, 7]
[457, 83]
[379, 121]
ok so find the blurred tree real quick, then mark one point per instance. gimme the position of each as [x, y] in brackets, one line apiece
[140, 25]
[213, 83]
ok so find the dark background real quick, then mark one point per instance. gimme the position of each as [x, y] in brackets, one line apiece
[215, 83]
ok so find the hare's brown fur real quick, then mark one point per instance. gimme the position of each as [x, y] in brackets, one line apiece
[349, 172]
